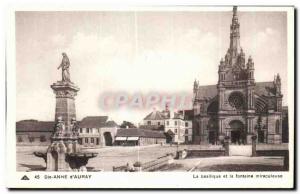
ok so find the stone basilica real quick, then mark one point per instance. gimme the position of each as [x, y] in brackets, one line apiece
[237, 106]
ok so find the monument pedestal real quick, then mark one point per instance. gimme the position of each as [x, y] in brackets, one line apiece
[64, 152]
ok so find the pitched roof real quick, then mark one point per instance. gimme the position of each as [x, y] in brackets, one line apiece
[210, 91]
[136, 132]
[178, 115]
[155, 115]
[93, 122]
[111, 124]
[48, 126]
[35, 126]
[264, 88]
[152, 127]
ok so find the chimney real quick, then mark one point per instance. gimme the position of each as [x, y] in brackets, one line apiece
[171, 114]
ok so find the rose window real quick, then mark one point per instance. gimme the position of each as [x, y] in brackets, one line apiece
[236, 100]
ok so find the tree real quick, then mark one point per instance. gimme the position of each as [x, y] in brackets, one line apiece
[127, 124]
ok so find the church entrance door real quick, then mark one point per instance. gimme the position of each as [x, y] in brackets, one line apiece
[212, 137]
[237, 132]
[261, 136]
[236, 137]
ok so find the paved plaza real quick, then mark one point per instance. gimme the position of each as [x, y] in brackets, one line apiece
[117, 156]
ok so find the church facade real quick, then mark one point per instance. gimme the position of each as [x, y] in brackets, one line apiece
[237, 106]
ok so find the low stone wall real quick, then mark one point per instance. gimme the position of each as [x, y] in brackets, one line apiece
[147, 166]
[284, 153]
[204, 153]
[120, 168]
[240, 150]
[152, 165]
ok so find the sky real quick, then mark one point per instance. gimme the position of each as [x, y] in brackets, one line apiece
[136, 52]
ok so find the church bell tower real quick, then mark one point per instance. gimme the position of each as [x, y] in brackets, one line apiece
[236, 88]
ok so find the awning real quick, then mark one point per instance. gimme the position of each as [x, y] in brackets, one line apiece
[121, 138]
[132, 138]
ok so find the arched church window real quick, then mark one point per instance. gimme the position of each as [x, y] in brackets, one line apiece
[213, 107]
[236, 100]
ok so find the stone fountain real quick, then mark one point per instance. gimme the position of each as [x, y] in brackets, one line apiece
[63, 154]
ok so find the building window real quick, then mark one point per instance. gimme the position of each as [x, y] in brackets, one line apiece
[97, 141]
[20, 139]
[80, 141]
[158, 123]
[186, 124]
[80, 130]
[175, 131]
[31, 139]
[86, 140]
[43, 138]
[149, 122]
[168, 123]
[92, 140]
[175, 123]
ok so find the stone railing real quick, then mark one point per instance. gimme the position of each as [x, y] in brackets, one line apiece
[147, 166]
[120, 168]
[154, 164]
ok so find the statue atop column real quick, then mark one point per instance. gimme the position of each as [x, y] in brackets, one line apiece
[65, 65]
[64, 153]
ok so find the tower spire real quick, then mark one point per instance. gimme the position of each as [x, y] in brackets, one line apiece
[235, 33]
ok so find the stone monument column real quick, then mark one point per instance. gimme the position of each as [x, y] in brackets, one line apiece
[64, 152]
[65, 101]
[65, 137]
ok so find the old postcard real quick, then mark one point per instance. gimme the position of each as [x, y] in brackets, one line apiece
[151, 97]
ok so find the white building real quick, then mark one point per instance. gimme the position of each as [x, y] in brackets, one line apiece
[96, 131]
[180, 129]
[177, 126]
[154, 121]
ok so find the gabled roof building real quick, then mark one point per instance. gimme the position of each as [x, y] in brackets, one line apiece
[137, 136]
